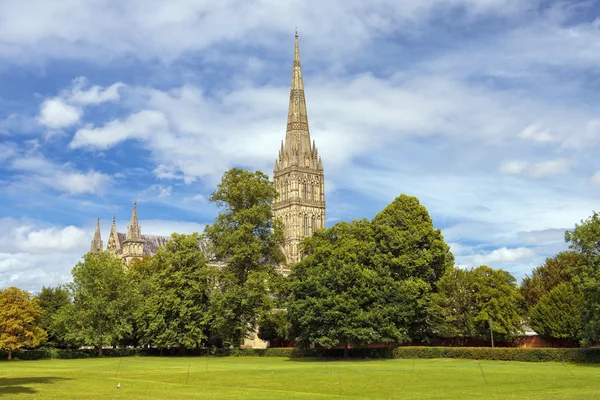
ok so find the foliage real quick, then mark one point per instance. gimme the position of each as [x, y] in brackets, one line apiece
[407, 244]
[175, 312]
[558, 314]
[20, 318]
[554, 271]
[274, 325]
[583, 239]
[52, 299]
[103, 302]
[468, 300]
[338, 298]
[250, 241]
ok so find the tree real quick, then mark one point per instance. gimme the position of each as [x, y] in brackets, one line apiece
[176, 312]
[103, 301]
[247, 238]
[274, 326]
[584, 239]
[338, 299]
[52, 299]
[471, 302]
[555, 270]
[558, 314]
[20, 318]
[408, 244]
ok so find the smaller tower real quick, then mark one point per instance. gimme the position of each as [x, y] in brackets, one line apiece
[114, 245]
[133, 246]
[97, 246]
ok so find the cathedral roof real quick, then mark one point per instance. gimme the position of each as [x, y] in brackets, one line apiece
[153, 242]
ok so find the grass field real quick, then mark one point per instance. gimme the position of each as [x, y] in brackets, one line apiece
[279, 378]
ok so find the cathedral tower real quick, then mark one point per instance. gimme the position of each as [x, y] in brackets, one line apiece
[133, 245]
[96, 246]
[298, 173]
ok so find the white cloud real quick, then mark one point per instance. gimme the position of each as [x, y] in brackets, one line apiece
[141, 125]
[595, 179]
[536, 133]
[101, 30]
[63, 178]
[55, 113]
[66, 109]
[502, 256]
[163, 191]
[197, 197]
[542, 169]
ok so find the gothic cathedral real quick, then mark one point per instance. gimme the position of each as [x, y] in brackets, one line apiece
[298, 173]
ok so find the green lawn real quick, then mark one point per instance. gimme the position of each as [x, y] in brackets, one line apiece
[279, 378]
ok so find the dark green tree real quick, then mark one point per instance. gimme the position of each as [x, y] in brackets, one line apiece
[247, 238]
[470, 302]
[103, 302]
[274, 325]
[340, 297]
[52, 299]
[176, 310]
[558, 314]
[555, 270]
[584, 239]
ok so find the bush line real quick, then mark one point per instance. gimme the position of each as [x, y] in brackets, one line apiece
[574, 355]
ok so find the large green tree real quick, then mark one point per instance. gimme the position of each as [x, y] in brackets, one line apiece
[555, 270]
[584, 239]
[408, 244]
[247, 238]
[558, 314]
[471, 302]
[103, 302]
[20, 318]
[176, 310]
[52, 299]
[369, 281]
[338, 299]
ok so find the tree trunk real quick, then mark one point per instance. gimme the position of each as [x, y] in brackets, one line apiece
[346, 352]
[181, 349]
[10, 354]
[100, 351]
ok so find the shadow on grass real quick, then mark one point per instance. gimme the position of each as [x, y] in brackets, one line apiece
[13, 386]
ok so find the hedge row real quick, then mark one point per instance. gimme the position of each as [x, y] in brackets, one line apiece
[575, 355]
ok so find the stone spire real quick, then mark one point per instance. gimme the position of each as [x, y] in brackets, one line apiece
[114, 245]
[297, 136]
[133, 232]
[298, 173]
[97, 246]
[133, 245]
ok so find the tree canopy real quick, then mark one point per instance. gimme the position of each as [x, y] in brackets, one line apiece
[20, 318]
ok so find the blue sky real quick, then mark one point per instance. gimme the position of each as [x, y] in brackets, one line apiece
[486, 110]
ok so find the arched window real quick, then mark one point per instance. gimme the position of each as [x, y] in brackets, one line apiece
[305, 191]
[312, 192]
[312, 224]
[306, 225]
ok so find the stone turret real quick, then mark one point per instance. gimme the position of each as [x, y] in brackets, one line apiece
[298, 172]
[133, 246]
[97, 245]
[114, 245]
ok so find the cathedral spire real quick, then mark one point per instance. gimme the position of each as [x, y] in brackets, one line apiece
[133, 232]
[297, 137]
[96, 246]
[114, 245]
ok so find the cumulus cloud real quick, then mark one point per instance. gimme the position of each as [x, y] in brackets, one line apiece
[536, 133]
[502, 256]
[56, 113]
[66, 109]
[542, 169]
[151, 29]
[141, 125]
[64, 178]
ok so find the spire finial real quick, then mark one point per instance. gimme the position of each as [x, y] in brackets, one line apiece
[96, 246]
[296, 32]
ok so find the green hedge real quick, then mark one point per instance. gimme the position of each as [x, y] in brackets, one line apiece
[575, 355]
